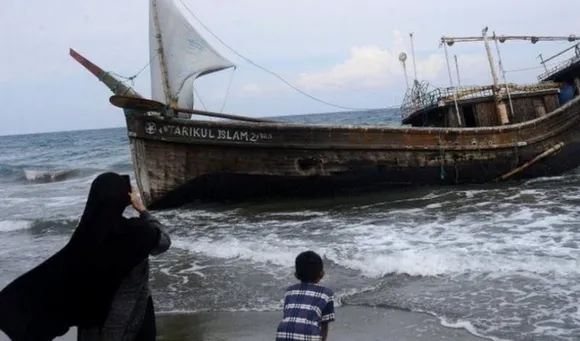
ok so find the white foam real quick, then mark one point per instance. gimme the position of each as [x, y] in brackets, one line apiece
[452, 247]
[14, 225]
[468, 326]
[45, 175]
[234, 248]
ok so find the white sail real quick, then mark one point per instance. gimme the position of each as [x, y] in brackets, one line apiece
[186, 55]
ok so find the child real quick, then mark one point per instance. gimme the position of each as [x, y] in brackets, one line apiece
[308, 306]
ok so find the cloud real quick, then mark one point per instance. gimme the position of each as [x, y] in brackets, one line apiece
[371, 67]
[368, 67]
[336, 50]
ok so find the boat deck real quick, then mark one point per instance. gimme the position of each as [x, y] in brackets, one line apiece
[565, 71]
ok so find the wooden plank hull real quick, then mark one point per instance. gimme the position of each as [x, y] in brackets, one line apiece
[178, 161]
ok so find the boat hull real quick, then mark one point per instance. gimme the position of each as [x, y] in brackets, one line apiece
[180, 161]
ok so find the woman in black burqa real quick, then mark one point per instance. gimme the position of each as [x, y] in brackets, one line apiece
[98, 281]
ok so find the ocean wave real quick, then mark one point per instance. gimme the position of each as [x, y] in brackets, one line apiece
[121, 166]
[39, 174]
[44, 176]
[9, 226]
[14, 225]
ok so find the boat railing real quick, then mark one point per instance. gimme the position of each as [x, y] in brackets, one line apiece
[422, 97]
[567, 63]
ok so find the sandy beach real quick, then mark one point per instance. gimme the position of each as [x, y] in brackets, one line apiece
[353, 323]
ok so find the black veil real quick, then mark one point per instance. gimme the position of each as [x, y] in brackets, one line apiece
[76, 285]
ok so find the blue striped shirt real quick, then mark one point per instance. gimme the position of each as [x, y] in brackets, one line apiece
[306, 307]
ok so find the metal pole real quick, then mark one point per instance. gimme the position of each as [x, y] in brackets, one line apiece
[406, 76]
[454, 88]
[413, 55]
[457, 70]
[543, 62]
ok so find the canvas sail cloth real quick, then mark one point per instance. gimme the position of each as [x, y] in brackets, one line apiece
[186, 54]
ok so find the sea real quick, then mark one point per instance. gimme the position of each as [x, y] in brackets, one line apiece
[501, 260]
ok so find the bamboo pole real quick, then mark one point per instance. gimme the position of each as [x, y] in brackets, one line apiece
[500, 106]
[520, 169]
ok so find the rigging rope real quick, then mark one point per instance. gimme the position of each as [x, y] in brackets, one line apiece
[263, 68]
[525, 69]
[228, 90]
[132, 78]
[199, 97]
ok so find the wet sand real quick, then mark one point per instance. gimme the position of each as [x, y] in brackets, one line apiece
[353, 324]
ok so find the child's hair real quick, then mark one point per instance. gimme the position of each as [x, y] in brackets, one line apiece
[309, 267]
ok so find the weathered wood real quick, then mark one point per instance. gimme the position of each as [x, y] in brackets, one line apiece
[177, 161]
[143, 104]
[531, 162]
[485, 109]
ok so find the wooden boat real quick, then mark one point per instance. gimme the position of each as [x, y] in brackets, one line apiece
[458, 135]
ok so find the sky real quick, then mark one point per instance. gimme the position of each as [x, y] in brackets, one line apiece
[342, 52]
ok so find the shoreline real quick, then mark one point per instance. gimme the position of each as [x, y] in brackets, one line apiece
[352, 323]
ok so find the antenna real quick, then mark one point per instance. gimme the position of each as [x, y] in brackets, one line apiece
[543, 62]
[413, 55]
[403, 59]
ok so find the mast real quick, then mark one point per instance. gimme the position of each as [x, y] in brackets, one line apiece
[500, 107]
[502, 70]
[166, 88]
[490, 58]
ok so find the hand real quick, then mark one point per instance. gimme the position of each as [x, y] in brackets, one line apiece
[136, 201]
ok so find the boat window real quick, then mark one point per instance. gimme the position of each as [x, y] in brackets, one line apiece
[469, 116]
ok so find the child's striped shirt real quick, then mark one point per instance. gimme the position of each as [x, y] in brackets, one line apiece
[306, 307]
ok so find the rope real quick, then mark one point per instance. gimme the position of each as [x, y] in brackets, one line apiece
[517, 155]
[525, 69]
[132, 78]
[503, 74]
[442, 154]
[228, 90]
[199, 97]
[263, 68]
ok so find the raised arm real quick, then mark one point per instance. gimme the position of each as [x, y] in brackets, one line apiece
[164, 239]
[147, 219]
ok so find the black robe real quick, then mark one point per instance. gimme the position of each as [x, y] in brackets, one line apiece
[75, 286]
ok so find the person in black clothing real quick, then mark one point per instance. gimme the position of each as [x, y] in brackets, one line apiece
[81, 284]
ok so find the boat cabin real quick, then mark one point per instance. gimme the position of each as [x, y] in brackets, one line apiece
[478, 106]
[492, 105]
